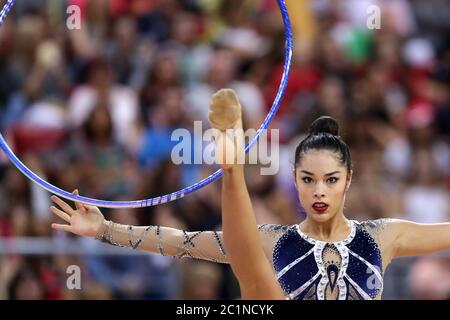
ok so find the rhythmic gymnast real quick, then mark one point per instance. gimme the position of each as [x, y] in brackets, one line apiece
[240, 232]
[326, 256]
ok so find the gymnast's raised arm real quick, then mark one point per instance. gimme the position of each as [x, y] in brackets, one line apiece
[241, 236]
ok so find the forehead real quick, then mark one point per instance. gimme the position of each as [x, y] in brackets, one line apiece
[320, 162]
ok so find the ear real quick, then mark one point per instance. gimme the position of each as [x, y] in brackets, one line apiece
[295, 177]
[349, 180]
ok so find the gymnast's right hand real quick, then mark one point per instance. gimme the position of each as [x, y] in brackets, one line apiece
[225, 115]
[83, 221]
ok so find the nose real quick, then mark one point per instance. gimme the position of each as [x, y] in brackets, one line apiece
[318, 195]
[318, 191]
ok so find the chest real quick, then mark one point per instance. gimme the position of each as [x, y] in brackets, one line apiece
[309, 269]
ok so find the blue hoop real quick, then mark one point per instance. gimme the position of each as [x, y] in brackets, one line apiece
[5, 10]
[174, 195]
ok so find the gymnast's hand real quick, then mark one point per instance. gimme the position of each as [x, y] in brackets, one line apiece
[225, 115]
[84, 221]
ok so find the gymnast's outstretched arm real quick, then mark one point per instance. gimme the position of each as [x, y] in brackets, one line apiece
[88, 221]
[413, 239]
[241, 236]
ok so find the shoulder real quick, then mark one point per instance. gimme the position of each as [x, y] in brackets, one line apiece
[272, 233]
[380, 229]
[383, 231]
[275, 229]
[376, 226]
[383, 226]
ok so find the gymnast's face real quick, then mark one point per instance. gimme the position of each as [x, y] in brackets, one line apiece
[322, 181]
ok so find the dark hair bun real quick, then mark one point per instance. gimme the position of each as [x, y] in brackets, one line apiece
[324, 125]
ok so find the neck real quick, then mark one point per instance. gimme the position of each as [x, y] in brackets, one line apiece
[335, 229]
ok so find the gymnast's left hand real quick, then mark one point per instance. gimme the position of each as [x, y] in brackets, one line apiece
[84, 221]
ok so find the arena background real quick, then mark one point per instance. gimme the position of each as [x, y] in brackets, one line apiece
[94, 109]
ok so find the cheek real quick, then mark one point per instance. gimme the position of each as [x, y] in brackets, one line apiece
[337, 192]
[305, 194]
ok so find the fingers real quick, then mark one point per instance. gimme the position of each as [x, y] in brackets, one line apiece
[63, 227]
[68, 209]
[60, 213]
[225, 109]
[79, 205]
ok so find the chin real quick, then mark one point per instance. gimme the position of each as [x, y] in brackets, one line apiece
[322, 217]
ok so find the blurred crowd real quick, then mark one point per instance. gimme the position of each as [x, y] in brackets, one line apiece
[94, 109]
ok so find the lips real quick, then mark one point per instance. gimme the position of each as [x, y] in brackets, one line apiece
[320, 207]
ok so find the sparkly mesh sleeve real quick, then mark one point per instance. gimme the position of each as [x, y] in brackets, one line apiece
[205, 245]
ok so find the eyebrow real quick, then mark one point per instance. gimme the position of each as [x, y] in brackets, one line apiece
[326, 175]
